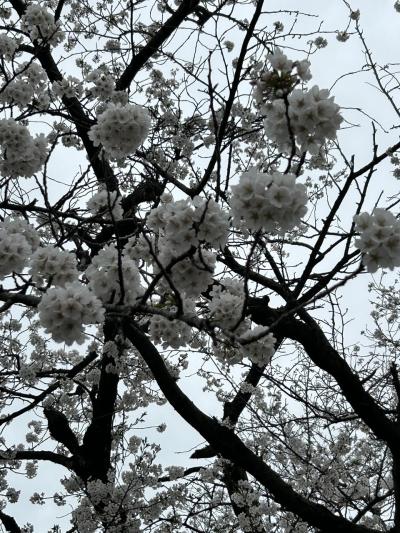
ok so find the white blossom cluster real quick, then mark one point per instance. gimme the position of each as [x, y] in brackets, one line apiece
[35, 74]
[20, 226]
[40, 25]
[175, 221]
[226, 304]
[184, 143]
[72, 141]
[139, 248]
[69, 87]
[99, 491]
[186, 223]
[256, 344]
[112, 45]
[17, 92]
[379, 239]
[83, 517]
[259, 351]
[171, 332]
[68, 137]
[53, 265]
[175, 472]
[183, 227]
[272, 202]
[191, 275]
[281, 78]
[63, 311]
[27, 87]
[306, 121]
[5, 13]
[14, 253]
[342, 36]
[31, 469]
[111, 499]
[12, 495]
[295, 119]
[212, 222]
[106, 203]
[247, 497]
[17, 241]
[105, 273]
[104, 84]
[121, 129]
[8, 46]
[27, 372]
[21, 154]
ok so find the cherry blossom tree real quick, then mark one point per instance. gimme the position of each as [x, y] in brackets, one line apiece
[181, 222]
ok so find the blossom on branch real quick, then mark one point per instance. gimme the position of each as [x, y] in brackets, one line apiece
[379, 240]
[18, 240]
[121, 129]
[113, 276]
[54, 265]
[63, 312]
[107, 204]
[40, 25]
[274, 203]
[21, 154]
[8, 46]
[295, 119]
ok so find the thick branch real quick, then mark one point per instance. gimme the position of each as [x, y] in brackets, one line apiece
[9, 523]
[226, 443]
[234, 408]
[38, 455]
[317, 346]
[154, 45]
[96, 447]
[18, 298]
[101, 168]
[60, 430]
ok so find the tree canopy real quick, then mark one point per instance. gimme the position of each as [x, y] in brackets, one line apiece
[182, 224]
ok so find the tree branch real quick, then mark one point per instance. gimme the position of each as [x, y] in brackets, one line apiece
[9, 523]
[96, 448]
[101, 167]
[226, 443]
[308, 333]
[155, 44]
[38, 455]
[40, 397]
